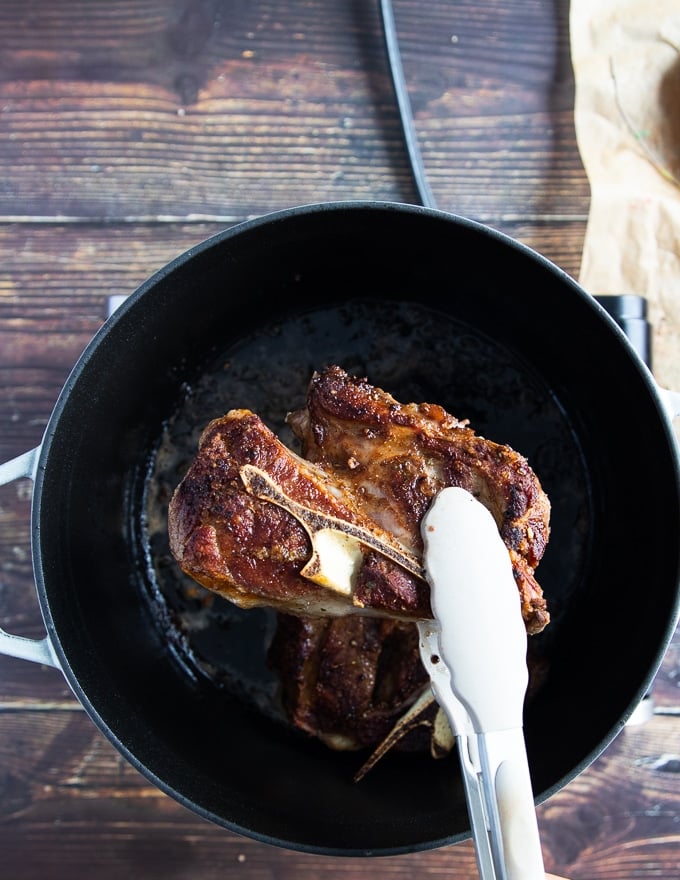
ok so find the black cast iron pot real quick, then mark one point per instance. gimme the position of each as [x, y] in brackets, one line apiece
[430, 307]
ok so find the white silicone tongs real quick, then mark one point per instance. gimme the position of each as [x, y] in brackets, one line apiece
[475, 653]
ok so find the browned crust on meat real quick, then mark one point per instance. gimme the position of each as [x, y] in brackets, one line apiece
[397, 457]
[251, 550]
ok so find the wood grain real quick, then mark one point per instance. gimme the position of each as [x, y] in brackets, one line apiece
[66, 778]
[130, 131]
[223, 110]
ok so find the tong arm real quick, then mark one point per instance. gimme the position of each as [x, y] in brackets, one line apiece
[475, 793]
[495, 777]
[507, 791]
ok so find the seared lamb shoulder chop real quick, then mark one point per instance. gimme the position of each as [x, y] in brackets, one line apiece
[242, 519]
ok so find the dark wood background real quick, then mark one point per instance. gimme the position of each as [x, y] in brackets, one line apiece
[130, 131]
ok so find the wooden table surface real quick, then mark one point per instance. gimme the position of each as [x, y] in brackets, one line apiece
[130, 131]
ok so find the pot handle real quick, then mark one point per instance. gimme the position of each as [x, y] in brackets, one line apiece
[37, 650]
[671, 400]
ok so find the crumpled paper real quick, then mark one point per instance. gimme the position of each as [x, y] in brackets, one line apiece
[626, 61]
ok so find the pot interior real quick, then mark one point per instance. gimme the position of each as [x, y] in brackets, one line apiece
[431, 308]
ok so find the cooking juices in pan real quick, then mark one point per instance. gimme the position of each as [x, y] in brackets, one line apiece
[417, 355]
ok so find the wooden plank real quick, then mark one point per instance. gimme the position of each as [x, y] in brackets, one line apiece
[124, 111]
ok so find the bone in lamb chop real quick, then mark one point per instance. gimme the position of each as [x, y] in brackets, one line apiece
[248, 517]
[241, 520]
